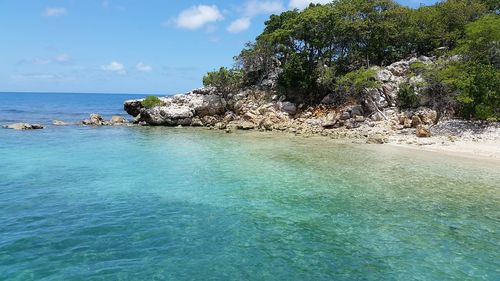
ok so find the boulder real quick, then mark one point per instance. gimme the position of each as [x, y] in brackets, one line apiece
[118, 120]
[356, 110]
[94, 120]
[24, 126]
[384, 75]
[345, 115]
[428, 116]
[288, 107]
[196, 122]
[169, 115]
[407, 123]
[415, 121]
[328, 99]
[423, 132]
[376, 139]
[360, 119]
[267, 124]
[209, 121]
[245, 125]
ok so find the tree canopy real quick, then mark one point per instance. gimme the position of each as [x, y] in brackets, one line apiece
[318, 47]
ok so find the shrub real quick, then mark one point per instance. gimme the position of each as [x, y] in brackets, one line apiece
[354, 83]
[224, 80]
[418, 67]
[151, 101]
[480, 96]
[407, 98]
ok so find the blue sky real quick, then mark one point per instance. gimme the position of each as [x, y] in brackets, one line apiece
[126, 46]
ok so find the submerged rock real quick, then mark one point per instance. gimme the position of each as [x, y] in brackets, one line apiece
[59, 123]
[24, 126]
[118, 120]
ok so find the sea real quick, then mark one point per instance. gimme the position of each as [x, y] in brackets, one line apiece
[155, 203]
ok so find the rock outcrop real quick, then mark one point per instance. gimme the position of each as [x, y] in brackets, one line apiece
[98, 120]
[373, 118]
[24, 126]
[246, 110]
[389, 79]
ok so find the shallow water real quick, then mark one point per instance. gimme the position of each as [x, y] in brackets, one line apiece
[122, 203]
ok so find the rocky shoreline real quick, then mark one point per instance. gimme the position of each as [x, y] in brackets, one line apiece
[375, 119]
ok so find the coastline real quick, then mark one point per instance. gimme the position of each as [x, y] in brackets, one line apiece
[478, 150]
[466, 149]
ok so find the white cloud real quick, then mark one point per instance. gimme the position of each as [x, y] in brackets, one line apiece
[54, 12]
[62, 58]
[33, 76]
[301, 4]
[254, 7]
[115, 67]
[41, 61]
[143, 67]
[239, 25]
[198, 16]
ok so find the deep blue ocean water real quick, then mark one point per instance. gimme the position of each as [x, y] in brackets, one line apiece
[138, 203]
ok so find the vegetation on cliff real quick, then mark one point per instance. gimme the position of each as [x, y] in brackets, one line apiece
[330, 49]
[151, 101]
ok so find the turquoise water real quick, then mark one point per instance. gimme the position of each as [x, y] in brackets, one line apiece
[122, 203]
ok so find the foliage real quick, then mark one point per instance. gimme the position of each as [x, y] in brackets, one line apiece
[329, 48]
[418, 67]
[224, 80]
[354, 83]
[151, 101]
[481, 42]
[407, 97]
[471, 89]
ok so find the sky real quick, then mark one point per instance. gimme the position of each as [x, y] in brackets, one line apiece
[127, 46]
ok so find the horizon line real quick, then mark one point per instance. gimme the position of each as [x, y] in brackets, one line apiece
[91, 93]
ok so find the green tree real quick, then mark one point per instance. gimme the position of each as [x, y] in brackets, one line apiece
[481, 43]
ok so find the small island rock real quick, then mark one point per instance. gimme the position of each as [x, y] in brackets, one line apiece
[24, 126]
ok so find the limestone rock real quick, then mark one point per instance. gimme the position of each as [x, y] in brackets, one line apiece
[94, 120]
[118, 120]
[24, 126]
[423, 132]
[288, 107]
[196, 122]
[377, 116]
[415, 121]
[356, 110]
[360, 119]
[245, 125]
[376, 139]
[345, 115]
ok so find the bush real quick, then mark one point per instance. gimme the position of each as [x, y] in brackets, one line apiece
[407, 98]
[151, 101]
[224, 80]
[418, 67]
[480, 96]
[354, 83]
